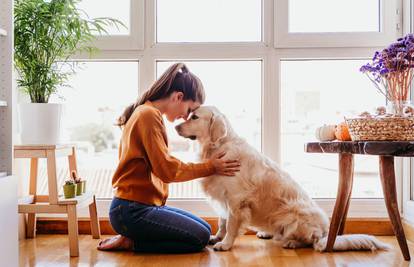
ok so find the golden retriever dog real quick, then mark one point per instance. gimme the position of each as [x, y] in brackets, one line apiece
[260, 196]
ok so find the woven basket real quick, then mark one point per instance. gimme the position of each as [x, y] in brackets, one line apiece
[381, 128]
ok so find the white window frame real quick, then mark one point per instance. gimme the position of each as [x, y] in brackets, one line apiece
[408, 177]
[407, 190]
[270, 57]
[389, 23]
[135, 39]
[153, 6]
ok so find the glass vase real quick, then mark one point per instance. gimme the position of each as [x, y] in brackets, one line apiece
[396, 107]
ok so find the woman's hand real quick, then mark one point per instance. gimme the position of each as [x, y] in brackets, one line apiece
[225, 167]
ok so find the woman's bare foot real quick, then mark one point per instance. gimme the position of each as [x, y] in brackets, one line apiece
[118, 242]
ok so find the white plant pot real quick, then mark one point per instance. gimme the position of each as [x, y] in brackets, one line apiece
[40, 123]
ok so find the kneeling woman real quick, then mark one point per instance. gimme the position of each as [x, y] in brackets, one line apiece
[138, 212]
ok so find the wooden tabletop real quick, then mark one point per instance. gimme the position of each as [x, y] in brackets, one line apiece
[37, 147]
[384, 148]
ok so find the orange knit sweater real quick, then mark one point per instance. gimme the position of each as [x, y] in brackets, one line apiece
[145, 167]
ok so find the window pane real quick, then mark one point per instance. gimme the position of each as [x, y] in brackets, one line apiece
[234, 87]
[208, 21]
[334, 16]
[315, 92]
[100, 91]
[117, 9]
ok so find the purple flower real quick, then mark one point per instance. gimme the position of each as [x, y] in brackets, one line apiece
[394, 62]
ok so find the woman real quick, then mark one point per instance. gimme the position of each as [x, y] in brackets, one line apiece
[138, 212]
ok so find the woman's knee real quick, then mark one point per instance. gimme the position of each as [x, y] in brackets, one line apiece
[202, 238]
[207, 225]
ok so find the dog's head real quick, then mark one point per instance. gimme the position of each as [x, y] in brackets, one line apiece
[206, 124]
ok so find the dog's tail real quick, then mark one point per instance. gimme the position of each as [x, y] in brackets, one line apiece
[352, 242]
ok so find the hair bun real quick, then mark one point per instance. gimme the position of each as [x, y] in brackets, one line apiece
[184, 69]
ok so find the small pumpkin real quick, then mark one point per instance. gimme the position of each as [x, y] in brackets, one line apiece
[342, 132]
[325, 133]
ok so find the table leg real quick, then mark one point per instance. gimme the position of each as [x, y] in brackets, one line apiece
[346, 174]
[342, 226]
[73, 231]
[93, 214]
[387, 174]
[31, 217]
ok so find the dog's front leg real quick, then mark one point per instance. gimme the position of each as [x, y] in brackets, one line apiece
[221, 233]
[232, 227]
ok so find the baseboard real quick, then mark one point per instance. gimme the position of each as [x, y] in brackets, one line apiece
[372, 226]
[409, 231]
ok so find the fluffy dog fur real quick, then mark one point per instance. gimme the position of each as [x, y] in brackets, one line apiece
[261, 196]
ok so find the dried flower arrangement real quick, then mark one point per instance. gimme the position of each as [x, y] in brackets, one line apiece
[391, 69]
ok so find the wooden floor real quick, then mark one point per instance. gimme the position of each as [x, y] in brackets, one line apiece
[52, 250]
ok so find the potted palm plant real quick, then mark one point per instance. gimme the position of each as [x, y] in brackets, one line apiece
[46, 34]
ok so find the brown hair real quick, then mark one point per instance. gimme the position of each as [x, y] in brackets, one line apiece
[176, 78]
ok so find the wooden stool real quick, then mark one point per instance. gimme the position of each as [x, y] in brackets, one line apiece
[53, 203]
[386, 150]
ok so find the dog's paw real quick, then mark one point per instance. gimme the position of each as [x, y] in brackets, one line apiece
[292, 244]
[264, 235]
[214, 239]
[221, 246]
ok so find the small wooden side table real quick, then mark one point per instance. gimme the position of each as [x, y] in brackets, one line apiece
[52, 203]
[386, 150]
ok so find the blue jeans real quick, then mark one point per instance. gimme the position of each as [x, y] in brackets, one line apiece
[159, 229]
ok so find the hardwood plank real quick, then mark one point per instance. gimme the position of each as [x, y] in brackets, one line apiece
[52, 250]
[372, 226]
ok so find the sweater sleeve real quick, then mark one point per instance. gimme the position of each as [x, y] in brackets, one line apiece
[151, 129]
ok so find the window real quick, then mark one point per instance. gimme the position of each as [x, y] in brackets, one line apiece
[334, 16]
[234, 87]
[208, 21]
[129, 12]
[91, 106]
[246, 53]
[316, 98]
[335, 23]
[117, 9]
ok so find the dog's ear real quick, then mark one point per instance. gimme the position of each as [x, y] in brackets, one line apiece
[218, 129]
